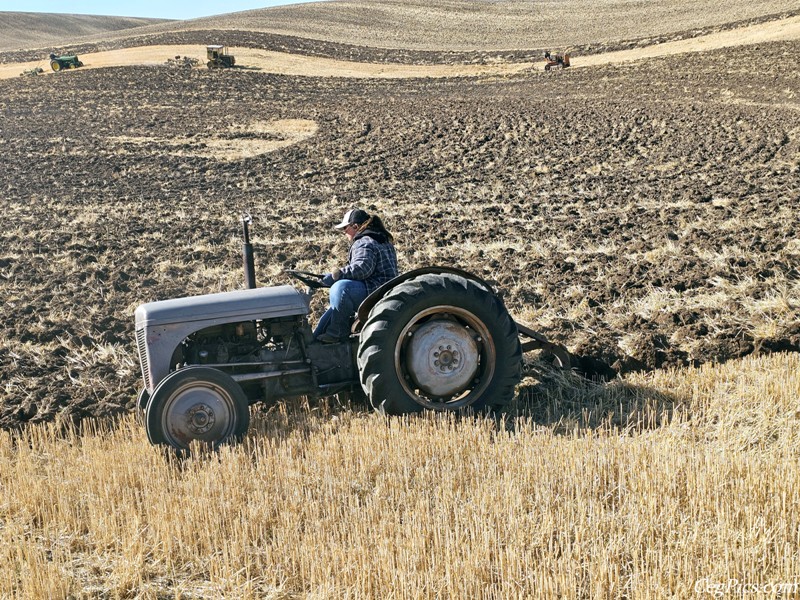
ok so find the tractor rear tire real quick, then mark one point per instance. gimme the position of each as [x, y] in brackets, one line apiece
[197, 403]
[439, 342]
[55, 65]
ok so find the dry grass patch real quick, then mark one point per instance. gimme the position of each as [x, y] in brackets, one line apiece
[273, 62]
[239, 142]
[699, 483]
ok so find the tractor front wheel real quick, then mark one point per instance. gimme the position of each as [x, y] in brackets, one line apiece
[439, 342]
[197, 403]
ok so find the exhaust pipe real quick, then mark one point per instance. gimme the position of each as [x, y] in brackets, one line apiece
[247, 254]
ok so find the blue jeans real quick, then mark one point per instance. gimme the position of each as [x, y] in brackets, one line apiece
[346, 296]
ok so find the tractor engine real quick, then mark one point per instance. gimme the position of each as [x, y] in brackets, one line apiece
[271, 358]
[246, 331]
[247, 341]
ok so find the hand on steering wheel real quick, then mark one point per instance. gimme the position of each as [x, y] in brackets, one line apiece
[312, 280]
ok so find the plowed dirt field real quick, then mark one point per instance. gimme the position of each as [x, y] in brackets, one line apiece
[644, 214]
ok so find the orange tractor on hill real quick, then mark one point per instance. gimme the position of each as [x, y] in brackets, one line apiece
[555, 61]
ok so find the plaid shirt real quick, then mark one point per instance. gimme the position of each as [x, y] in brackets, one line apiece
[370, 261]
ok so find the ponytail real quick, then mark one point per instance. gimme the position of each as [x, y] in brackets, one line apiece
[375, 223]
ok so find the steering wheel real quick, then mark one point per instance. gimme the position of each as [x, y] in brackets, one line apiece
[312, 280]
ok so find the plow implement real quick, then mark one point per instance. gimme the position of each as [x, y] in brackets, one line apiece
[562, 358]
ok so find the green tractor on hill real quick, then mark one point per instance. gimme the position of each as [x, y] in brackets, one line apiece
[69, 61]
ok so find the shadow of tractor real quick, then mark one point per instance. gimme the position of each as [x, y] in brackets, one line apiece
[565, 402]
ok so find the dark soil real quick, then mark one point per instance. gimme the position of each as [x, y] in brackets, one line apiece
[645, 215]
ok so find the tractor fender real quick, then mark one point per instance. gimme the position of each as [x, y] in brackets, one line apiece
[371, 300]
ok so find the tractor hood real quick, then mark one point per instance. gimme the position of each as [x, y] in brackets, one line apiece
[225, 307]
[162, 326]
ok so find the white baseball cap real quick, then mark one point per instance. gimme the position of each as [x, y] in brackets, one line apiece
[354, 216]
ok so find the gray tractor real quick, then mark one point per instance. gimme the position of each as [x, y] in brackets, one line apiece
[436, 338]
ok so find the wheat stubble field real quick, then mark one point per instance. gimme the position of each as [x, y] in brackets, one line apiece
[641, 212]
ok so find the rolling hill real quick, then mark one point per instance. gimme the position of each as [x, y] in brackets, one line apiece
[487, 25]
[20, 30]
[418, 25]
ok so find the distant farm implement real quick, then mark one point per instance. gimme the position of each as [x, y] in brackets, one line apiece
[555, 61]
[68, 61]
[183, 62]
[218, 57]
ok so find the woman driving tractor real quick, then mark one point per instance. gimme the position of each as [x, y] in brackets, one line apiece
[371, 262]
